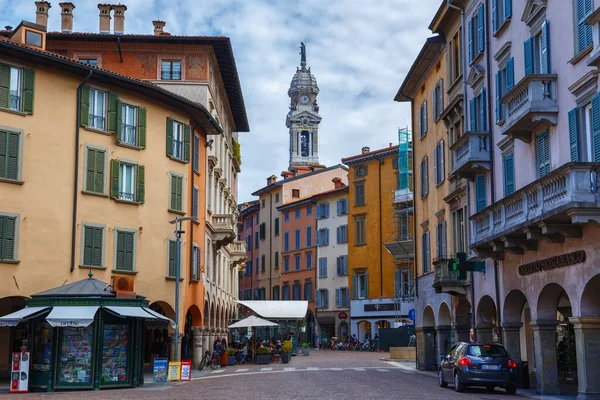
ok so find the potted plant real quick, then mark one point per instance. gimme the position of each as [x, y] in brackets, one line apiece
[286, 350]
[263, 355]
[231, 357]
[303, 327]
[305, 349]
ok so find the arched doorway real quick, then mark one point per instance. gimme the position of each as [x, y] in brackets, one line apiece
[444, 329]
[343, 332]
[427, 340]
[154, 335]
[11, 338]
[587, 332]
[554, 335]
[463, 319]
[487, 321]
[517, 329]
[364, 330]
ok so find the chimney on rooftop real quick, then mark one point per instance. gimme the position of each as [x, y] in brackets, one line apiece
[271, 180]
[66, 16]
[366, 150]
[119, 13]
[338, 183]
[104, 17]
[41, 12]
[158, 27]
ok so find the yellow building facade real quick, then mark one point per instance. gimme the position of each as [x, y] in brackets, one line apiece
[95, 196]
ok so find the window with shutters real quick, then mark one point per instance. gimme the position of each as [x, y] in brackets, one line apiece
[509, 174]
[286, 263]
[359, 194]
[197, 262]
[9, 228]
[308, 290]
[583, 32]
[276, 260]
[10, 156]
[424, 176]
[195, 198]
[176, 190]
[92, 252]
[323, 267]
[297, 213]
[170, 70]
[256, 240]
[323, 237]
[476, 34]
[16, 88]
[342, 297]
[423, 119]
[97, 107]
[454, 65]
[480, 192]
[285, 291]
[129, 123]
[263, 231]
[309, 260]
[322, 298]
[196, 154]
[425, 252]
[178, 140]
[439, 165]
[308, 236]
[342, 234]
[297, 262]
[127, 182]
[297, 239]
[441, 249]
[249, 241]
[276, 292]
[296, 291]
[542, 154]
[309, 209]
[286, 216]
[588, 125]
[477, 112]
[501, 14]
[537, 52]
[125, 250]
[342, 265]
[263, 261]
[360, 230]
[360, 171]
[172, 264]
[505, 81]
[438, 101]
[342, 207]
[363, 289]
[459, 230]
[322, 210]
[276, 227]
[286, 241]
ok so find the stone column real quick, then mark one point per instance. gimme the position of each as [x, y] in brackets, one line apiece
[587, 344]
[420, 333]
[484, 333]
[197, 348]
[461, 333]
[512, 340]
[443, 339]
[544, 345]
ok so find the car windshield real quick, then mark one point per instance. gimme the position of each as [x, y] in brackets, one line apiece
[486, 351]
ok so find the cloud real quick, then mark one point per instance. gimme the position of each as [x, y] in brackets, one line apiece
[359, 51]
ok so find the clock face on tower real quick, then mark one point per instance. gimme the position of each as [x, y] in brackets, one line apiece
[304, 99]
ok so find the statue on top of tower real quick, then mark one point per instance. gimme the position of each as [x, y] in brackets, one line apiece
[302, 55]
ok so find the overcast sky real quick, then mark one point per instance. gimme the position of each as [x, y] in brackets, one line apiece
[359, 52]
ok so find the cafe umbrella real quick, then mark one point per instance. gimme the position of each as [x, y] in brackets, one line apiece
[252, 322]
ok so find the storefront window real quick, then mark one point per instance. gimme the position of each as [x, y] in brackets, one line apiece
[114, 354]
[42, 350]
[75, 356]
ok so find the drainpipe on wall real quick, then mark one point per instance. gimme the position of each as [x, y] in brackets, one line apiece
[380, 231]
[270, 245]
[76, 174]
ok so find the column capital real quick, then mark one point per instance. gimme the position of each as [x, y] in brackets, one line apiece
[585, 322]
[544, 325]
[442, 328]
[512, 326]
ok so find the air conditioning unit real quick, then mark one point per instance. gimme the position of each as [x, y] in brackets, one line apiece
[123, 286]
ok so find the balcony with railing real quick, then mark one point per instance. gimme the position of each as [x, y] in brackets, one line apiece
[551, 208]
[237, 249]
[402, 196]
[530, 103]
[471, 153]
[401, 243]
[446, 281]
[223, 229]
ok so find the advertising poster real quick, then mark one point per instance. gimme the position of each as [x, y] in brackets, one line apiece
[159, 370]
[174, 371]
[186, 370]
[19, 377]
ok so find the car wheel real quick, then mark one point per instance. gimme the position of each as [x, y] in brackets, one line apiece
[458, 385]
[490, 388]
[441, 380]
[511, 389]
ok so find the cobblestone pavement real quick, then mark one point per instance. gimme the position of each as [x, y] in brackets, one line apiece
[322, 375]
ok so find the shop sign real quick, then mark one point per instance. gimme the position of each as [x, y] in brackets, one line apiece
[380, 307]
[159, 370]
[186, 370]
[547, 264]
[343, 315]
[174, 371]
[19, 377]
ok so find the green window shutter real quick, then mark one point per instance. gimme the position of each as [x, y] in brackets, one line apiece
[596, 126]
[3, 153]
[510, 73]
[115, 177]
[176, 193]
[480, 29]
[354, 286]
[573, 135]
[84, 106]
[9, 155]
[480, 192]
[509, 175]
[7, 238]
[498, 97]
[97, 248]
[172, 250]
[141, 127]
[186, 142]
[180, 193]
[119, 121]
[141, 184]
[128, 251]
[507, 9]
[4, 85]
[113, 112]
[494, 16]
[120, 262]
[88, 245]
[473, 114]
[90, 171]
[28, 89]
[169, 137]
[528, 56]
[545, 45]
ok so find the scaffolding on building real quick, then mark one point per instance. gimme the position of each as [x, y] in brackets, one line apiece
[401, 242]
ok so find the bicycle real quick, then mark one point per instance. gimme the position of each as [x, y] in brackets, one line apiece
[209, 360]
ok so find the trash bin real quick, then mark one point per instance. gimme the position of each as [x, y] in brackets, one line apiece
[523, 375]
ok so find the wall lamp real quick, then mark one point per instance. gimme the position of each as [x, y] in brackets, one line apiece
[210, 142]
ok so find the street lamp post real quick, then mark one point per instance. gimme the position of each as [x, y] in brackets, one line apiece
[178, 232]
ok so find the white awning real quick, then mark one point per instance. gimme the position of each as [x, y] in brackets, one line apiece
[278, 309]
[16, 317]
[251, 321]
[134, 312]
[73, 316]
[160, 317]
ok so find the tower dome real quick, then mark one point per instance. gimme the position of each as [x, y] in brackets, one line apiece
[303, 81]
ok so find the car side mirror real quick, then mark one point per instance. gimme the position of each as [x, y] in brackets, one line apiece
[442, 357]
[448, 357]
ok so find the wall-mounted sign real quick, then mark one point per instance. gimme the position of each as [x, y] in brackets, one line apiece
[380, 307]
[547, 264]
[343, 315]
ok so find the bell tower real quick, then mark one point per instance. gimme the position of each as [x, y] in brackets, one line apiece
[303, 118]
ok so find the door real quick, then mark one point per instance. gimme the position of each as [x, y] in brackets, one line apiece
[445, 364]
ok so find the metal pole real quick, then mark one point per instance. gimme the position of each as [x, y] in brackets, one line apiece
[177, 256]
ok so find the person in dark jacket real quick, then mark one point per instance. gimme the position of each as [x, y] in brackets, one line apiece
[155, 348]
[163, 347]
[217, 349]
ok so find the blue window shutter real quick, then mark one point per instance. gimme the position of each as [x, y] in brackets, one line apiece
[338, 207]
[480, 29]
[528, 56]
[542, 154]
[510, 73]
[339, 234]
[573, 132]
[318, 211]
[470, 39]
[326, 210]
[494, 16]
[545, 45]
[596, 126]
[326, 237]
[338, 296]
[318, 238]
[509, 175]
[473, 114]
[480, 192]
[507, 9]
[588, 28]
[498, 96]
[482, 123]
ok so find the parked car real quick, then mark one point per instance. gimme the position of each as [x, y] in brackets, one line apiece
[477, 364]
